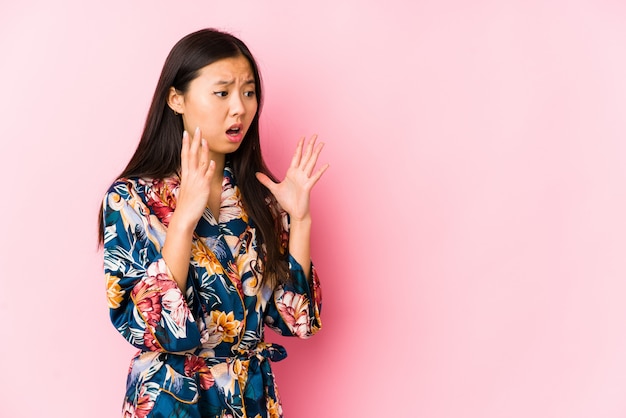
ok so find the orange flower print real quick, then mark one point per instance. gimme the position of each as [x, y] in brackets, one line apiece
[205, 258]
[115, 294]
[224, 326]
[240, 369]
[200, 255]
[274, 409]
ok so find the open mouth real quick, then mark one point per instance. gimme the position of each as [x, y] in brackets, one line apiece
[235, 133]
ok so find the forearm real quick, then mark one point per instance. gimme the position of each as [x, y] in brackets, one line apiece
[177, 250]
[300, 243]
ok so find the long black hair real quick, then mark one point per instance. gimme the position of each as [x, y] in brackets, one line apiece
[158, 152]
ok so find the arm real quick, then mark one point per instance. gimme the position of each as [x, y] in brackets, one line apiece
[146, 280]
[196, 176]
[293, 195]
[146, 305]
[300, 243]
[295, 307]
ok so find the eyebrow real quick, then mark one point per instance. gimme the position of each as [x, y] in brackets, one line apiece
[229, 82]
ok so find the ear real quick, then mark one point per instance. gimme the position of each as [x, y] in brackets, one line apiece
[176, 101]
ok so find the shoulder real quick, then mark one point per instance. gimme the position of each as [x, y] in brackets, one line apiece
[124, 188]
[121, 190]
[126, 184]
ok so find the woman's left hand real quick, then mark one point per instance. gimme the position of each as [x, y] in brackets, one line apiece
[293, 193]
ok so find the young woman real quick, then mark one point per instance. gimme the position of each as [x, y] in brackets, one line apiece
[203, 246]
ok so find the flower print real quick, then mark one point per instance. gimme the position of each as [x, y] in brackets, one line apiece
[199, 254]
[206, 379]
[233, 275]
[212, 341]
[173, 301]
[159, 271]
[240, 369]
[317, 288]
[294, 308]
[150, 341]
[148, 302]
[216, 246]
[274, 408]
[115, 294]
[224, 378]
[142, 409]
[224, 326]
[209, 339]
[195, 364]
[231, 206]
[144, 405]
[204, 333]
[128, 411]
[205, 258]
[157, 295]
[161, 199]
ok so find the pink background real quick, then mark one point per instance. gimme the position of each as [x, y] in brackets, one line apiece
[470, 233]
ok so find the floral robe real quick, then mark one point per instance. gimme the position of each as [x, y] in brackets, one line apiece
[202, 353]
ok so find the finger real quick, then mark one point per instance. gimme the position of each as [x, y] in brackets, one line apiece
[318, 174]
[204, 155]
[210, 171]
[310, 164]
[266, 181]
[194, 148]
[309, 150]
[295, 160]
[184, 152]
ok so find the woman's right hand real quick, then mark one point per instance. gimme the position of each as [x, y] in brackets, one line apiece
[196, 172]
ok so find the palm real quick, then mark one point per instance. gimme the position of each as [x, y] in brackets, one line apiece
[293, 193]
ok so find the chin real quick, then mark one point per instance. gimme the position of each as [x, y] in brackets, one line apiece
[229, 148]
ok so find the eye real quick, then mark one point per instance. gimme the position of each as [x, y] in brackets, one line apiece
[249, 93]
[221, 93]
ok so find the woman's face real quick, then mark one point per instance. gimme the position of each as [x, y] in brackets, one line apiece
[221, 101]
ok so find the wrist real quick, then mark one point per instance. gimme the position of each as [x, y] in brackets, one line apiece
[304, 221]
[181, 224]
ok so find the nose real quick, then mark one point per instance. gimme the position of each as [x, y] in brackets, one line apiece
[237, 107]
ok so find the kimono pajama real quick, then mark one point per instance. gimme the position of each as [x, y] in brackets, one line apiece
[201, 353]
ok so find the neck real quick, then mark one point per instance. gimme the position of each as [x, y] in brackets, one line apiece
[220, 163]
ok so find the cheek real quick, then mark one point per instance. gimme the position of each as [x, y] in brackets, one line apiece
[252, 110]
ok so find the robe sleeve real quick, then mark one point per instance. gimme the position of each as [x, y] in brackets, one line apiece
[295, 308]
[146, 305]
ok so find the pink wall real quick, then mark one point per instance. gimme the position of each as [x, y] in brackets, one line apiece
[470, 234]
